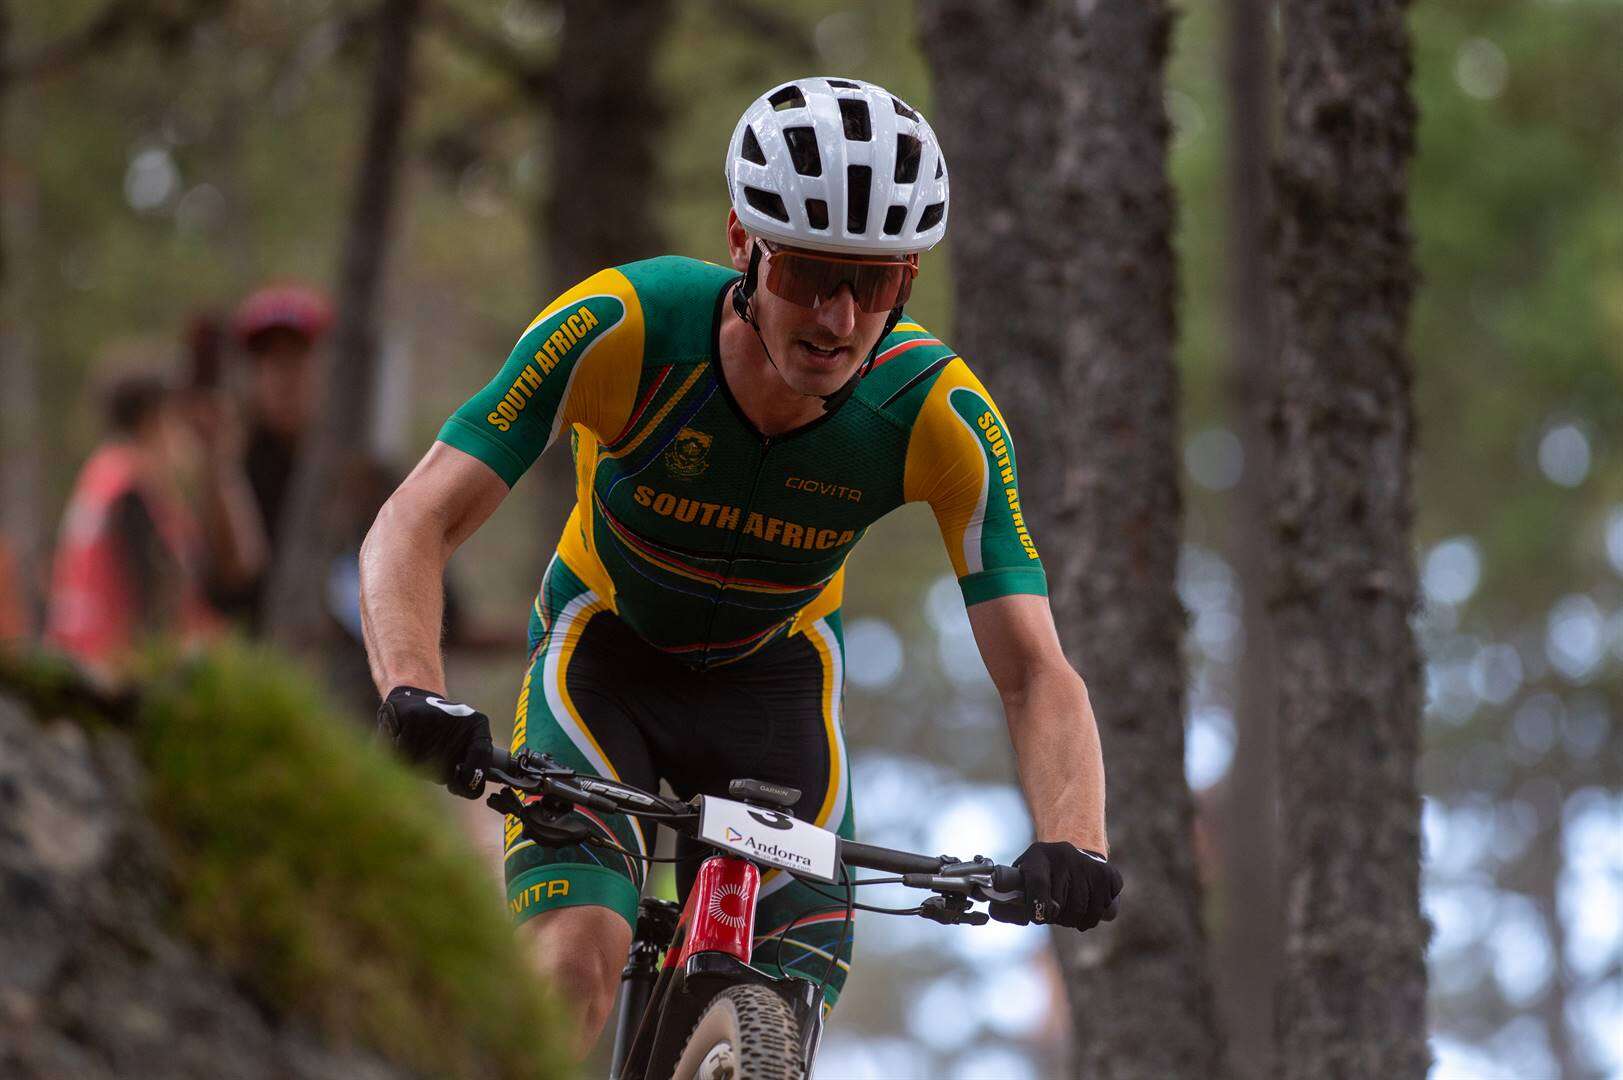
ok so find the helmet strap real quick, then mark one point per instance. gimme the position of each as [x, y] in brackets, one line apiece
[837, 398]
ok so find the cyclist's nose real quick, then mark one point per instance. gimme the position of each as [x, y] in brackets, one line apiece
[838, 313]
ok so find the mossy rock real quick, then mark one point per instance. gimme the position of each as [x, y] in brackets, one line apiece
[326, 878]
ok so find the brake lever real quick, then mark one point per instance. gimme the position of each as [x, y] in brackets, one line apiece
[501, 776]
[558, 832]
[951, 911]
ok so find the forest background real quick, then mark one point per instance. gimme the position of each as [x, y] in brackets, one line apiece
[178, 162]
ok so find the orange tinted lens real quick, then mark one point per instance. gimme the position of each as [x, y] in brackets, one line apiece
[807, 281]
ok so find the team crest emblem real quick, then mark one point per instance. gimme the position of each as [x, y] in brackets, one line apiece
[689, 455]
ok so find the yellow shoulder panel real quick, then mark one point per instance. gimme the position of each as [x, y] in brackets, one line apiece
[947, 468]
[603, 386]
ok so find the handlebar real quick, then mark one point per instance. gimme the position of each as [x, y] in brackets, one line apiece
[957, 881]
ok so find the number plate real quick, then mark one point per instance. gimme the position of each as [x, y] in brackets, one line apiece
[769, 836]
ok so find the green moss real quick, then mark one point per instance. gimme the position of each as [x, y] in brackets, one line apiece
[326, 878]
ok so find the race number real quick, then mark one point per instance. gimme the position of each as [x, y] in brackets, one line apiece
[769, 836]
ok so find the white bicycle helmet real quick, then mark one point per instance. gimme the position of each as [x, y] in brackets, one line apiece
[838, 165]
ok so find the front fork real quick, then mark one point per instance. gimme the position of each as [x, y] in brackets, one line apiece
[656, 925]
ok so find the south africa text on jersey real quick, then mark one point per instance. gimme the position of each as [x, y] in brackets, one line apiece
[721, 516]
[570, 332]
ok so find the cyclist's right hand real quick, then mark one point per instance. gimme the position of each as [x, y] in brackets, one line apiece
[451, 739]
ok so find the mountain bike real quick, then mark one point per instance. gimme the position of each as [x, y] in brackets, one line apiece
[691, 1005]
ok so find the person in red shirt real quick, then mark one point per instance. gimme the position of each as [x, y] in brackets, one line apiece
[127, 565]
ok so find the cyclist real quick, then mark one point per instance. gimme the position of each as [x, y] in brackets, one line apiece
[735, 430]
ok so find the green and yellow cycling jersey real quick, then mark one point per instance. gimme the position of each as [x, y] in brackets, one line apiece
[707, 538]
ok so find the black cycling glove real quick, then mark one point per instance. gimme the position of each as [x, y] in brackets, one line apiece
[1065, 886]
[450, 738]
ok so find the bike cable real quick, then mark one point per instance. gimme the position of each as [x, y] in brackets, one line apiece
[865, 907]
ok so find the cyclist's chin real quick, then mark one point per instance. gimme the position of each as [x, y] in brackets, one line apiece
[818, 383]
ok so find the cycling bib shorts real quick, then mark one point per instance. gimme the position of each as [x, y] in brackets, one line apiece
[604, 702]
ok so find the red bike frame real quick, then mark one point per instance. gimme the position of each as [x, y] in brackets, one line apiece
[720, 912]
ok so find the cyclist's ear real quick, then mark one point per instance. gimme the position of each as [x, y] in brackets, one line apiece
[739, 242]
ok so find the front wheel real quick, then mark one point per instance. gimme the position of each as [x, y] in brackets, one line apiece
[746, 1033]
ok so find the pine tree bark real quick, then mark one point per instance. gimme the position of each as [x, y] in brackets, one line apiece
[603, 130]
[319, 517]
[1248, 938]
[1352, 995]
[606, 122]
[1055, 133]
[22, 519]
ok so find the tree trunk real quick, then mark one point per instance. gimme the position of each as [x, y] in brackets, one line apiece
[606, 123]
[320, 520]
[1352, 996]
[22, 517]
[1248, 938]
[1066, 285]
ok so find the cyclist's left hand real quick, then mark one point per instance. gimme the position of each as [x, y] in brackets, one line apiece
[1065, 886]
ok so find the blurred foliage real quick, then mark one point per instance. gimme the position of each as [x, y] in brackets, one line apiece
[328, 879]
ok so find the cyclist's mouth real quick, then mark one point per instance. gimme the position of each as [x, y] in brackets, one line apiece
[822, 357]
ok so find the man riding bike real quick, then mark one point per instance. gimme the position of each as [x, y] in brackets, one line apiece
[735, 431]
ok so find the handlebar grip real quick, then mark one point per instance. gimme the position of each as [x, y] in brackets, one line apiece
[501, 759]
[1008, 879]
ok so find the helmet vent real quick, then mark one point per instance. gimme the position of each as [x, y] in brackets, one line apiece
[940, 168]
[903, 109]
[854, 111]
[894, 217]
[817, 213]
[803, 150]
[858, 178]
[767, 202]
[789, 97]
[930, 218]
[907, 159]
[843, 84]
[752, 148]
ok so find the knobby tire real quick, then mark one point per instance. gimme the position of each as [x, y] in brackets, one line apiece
[759, 1028]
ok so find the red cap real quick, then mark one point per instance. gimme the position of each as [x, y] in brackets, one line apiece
[290, 306]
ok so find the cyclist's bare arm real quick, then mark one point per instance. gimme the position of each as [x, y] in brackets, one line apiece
[1056, 742]
[442, 503]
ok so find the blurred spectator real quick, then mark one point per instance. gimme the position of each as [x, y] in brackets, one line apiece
[127, 562]
[279, 329]
[234, 533]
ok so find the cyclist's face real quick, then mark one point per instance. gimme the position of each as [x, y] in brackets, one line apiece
[816, 349]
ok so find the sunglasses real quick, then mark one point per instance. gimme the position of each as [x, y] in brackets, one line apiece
[808, 278]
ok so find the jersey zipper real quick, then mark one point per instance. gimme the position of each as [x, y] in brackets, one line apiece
[732, 554]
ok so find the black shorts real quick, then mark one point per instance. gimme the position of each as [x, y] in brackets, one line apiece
[602, 701]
